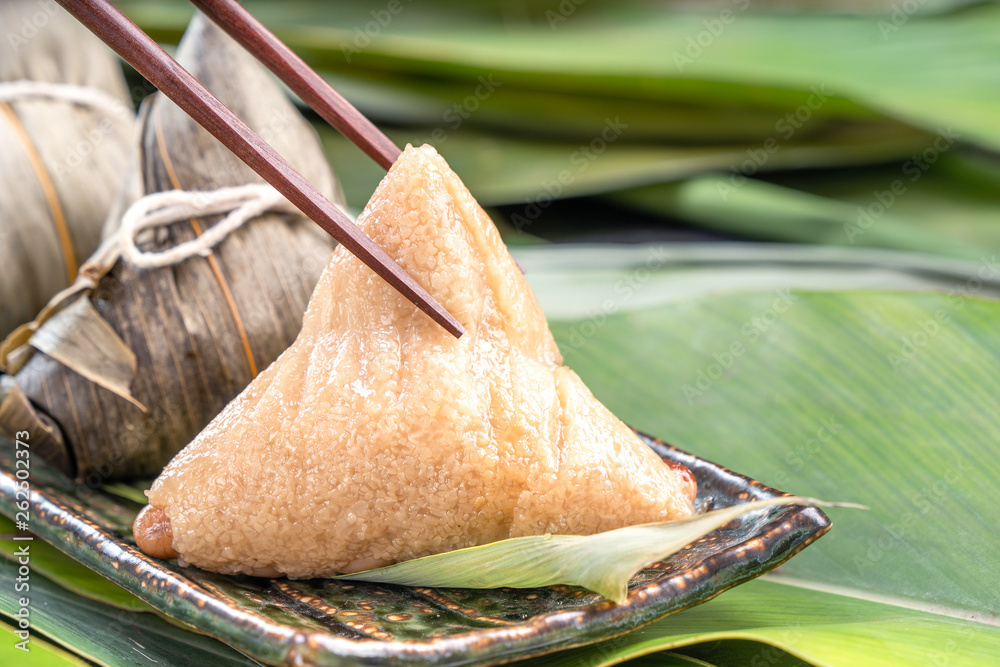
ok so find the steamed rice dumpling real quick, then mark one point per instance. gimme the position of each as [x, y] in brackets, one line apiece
[378, 437]
[60, 160]
[124, 369]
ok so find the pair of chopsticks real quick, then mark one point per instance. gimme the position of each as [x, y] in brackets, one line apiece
[145, 55]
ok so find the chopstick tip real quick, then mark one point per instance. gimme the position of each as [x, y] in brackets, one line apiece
[452, 326]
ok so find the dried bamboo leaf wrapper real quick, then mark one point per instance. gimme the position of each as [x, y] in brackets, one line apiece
[200, 329]
[60, 161]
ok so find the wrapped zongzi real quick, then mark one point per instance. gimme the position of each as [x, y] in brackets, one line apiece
[126, 367]
[66, 123]
[378, 437]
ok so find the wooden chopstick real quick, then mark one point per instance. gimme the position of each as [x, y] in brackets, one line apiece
[314, 90]
[302, 79]
[145, 55]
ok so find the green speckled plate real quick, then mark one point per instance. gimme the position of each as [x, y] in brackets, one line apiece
[325, 622]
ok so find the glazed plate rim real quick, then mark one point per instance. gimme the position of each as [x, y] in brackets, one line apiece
[787, 530]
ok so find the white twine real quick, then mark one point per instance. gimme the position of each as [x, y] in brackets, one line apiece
[242, 202]
[13, 91]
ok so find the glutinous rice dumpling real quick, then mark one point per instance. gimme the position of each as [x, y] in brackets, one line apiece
[377, 437]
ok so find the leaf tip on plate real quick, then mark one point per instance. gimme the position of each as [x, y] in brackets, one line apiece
[825, 503]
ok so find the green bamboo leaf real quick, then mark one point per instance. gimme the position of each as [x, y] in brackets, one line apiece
[579, 283]
[762, 210]
[106, 635]
[67, 572]
[914, 597]
[950, 209]
[732, 653]
[672, 659]
[430, 104]
[760, 61]
[501, 169]
[906, 380]
[911, 581]
[40, 653]
[819, 628]
[134, 491]
[603, 562]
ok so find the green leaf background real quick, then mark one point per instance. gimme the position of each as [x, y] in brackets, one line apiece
[912, 581]
[861, 365]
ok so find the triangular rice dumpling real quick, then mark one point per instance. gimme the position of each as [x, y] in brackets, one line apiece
[378, 437]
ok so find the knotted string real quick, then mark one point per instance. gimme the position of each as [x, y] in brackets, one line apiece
[241, 203]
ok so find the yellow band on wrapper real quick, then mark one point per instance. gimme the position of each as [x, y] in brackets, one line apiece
[223, 285]
[55, 207]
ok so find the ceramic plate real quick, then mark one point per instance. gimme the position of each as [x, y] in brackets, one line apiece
[325, 622]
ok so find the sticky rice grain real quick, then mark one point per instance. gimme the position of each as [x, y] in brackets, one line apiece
[378, 437]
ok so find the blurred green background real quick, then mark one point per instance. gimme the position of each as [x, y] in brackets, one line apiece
[844, 123]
